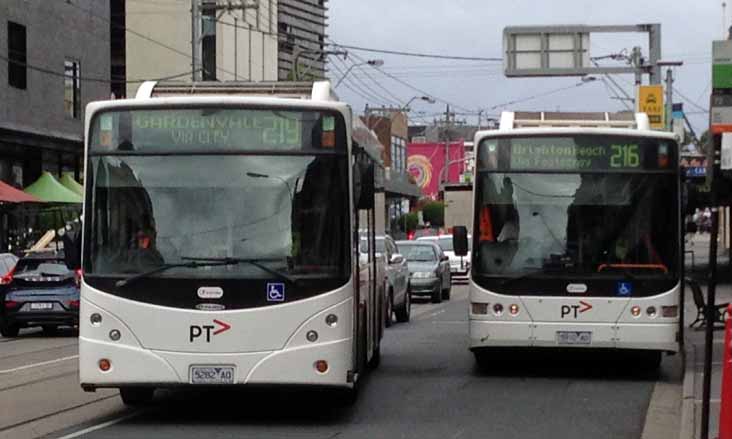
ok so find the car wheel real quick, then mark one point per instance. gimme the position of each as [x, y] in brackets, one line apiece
[446, 293]
[389, 310]
[404, 311]
[9, 330]
[437, 293]
[50, 329]
[135, 396]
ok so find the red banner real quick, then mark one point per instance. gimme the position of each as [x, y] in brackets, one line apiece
[426, 161]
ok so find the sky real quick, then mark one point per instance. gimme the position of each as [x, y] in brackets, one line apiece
[473, 28]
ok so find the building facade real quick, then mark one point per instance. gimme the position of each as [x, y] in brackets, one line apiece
[50, 69]
[400, 190]
[237, 40]
[301, 27]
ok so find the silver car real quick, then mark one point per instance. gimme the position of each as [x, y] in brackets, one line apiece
[398, 300]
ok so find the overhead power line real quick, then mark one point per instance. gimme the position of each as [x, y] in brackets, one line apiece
[90, 78]
[417, 54]
[536, 96]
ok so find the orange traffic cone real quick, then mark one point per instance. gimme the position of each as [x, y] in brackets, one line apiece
[725, 415]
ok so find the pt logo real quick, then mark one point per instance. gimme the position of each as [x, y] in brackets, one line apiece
[198, 330]
[575, 310]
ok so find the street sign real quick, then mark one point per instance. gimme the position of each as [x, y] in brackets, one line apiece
[726, 163]
[722, 64]
[721, 113]
[650, 101]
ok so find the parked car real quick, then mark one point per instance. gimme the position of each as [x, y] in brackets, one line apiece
[397, 300]
[459, 265]
[429, 269]
[7, 264]
[42, 292]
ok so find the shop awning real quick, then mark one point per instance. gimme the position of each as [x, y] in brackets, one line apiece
[69, 183]
[9, 194]
[48, 189]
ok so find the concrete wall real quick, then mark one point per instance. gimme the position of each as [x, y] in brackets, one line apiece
[170, 24]
[55, 31]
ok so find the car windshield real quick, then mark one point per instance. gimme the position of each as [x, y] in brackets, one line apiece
[418, 252]
[289, 212]
[41, 266]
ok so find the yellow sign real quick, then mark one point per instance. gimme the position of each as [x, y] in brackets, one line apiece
[650, 101]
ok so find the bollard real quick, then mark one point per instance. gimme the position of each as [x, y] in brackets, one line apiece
[725, 415]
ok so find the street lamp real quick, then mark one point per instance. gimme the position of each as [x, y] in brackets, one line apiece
[428, 99]
[371, 62]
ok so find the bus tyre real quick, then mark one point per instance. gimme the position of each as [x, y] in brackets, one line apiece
[375, 358]
[404, 311]
[135, 396]
[389, 309]
[651, 361]
[437, 294]
[9, 330]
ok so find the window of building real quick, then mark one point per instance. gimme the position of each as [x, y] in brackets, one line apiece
[208, 44]
[72, 89]
[17, 56]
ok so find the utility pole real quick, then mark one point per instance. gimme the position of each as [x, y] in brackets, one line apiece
[195, 39]
[446, 134]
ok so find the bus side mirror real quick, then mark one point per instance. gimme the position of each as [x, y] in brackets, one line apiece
[460, 240]
[72, 249]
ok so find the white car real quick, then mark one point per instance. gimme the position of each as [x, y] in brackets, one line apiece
[459, 265]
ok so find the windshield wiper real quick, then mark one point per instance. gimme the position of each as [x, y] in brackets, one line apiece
[232, 261]
[164, 267]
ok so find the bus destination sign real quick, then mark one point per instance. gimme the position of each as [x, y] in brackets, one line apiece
[560, 157]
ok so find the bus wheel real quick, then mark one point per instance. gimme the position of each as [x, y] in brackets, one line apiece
[375, 357]
[134, 396]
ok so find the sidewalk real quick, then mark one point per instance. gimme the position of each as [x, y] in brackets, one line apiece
[694, 345]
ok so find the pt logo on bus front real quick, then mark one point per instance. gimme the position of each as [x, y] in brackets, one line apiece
[197, 331]
[575, 310]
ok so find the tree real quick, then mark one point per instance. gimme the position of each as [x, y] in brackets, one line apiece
[434, 213]
[410, 220]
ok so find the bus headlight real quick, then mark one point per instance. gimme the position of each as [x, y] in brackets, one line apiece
[331, 320]
[479, 308]
[513, 309]
[635, 311]
[498, 309]
[95, 319]
[312, 336]
[651, 311]
[670, 311]
[115, 335]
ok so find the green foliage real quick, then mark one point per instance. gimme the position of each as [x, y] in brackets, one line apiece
[410, 219]
[434, 213]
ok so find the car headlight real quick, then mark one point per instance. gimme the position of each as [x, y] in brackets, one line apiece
[423, 274]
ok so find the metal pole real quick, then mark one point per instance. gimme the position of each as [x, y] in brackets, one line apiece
[236, 48]
[654, 49]
[709, 311]
[669, 98]
[195, 23]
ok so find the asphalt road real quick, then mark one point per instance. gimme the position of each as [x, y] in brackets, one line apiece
[426, 387]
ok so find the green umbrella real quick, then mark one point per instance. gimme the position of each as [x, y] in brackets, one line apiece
[68, 181]
[48, 189]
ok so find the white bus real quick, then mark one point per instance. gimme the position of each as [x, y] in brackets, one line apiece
[220, 242]
[576, 235]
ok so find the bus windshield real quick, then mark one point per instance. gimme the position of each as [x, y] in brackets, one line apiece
[285, 207]
[577, 225]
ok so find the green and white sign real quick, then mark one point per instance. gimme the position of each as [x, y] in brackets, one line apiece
[722, 64]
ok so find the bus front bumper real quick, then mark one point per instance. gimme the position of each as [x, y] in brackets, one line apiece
[646, 336]
[134, 366]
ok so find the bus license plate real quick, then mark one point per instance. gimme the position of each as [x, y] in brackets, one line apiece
[212, 375]
[574, 337]
[41, 305]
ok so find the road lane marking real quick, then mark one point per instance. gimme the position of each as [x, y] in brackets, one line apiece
[100, 426]
[42, 363]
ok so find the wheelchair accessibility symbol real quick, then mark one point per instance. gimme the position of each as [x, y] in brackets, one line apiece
[624, 289]
[275, 292]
